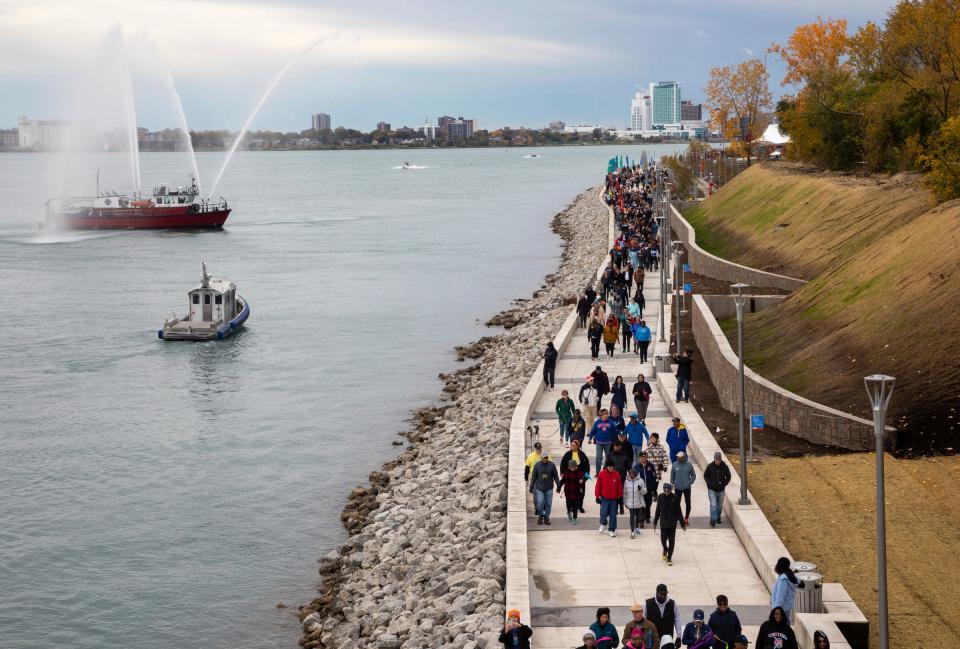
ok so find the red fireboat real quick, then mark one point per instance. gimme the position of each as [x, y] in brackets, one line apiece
[169, 207]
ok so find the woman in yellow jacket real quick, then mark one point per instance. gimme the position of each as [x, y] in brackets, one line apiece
[611, 334]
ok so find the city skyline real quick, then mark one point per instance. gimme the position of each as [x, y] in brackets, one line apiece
[536, 68]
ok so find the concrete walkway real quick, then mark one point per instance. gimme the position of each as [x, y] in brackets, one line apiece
[574, 570]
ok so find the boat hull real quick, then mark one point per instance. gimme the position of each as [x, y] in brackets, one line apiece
[220, 332]
[140, 218]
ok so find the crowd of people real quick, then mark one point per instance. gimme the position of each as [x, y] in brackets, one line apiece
[635, 473]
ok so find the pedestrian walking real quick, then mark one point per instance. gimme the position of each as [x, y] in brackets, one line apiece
[573, 483]
[515, 635]
[684, 374]
[595, 335]
[741, 643]
[550, 355]
[641, 396]
[648, 631]
[626, 333]
[604, 630]
[776, 633]
[642, 336]
[662, 611]
[583, 310]
[619, 394]
[543, 479]
[634, 490]
[589, 399]
[578, 428]
[668, 517]
[677, 438]
[611, 332]
[608, 491]
[697, 634]
[531, 460]
[616, 416]
[564, 409]
[589, 641]
[602, 383]
[682, 475]
[657, 453]
[724, 622]
[637, 434]
[784, 592]
[602, 434]
[649, 474]
[576, 453]
[717, 477]
[621, 464]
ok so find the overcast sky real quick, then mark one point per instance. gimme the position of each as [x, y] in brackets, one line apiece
[502, 62]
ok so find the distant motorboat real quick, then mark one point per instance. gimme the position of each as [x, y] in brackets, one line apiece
[406, 165]
[215, 312]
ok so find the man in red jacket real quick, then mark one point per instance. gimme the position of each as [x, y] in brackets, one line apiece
[608, 490]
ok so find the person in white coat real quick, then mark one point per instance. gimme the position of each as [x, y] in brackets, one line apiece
[634, 489]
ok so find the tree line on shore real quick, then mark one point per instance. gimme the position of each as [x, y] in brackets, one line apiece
[885, 98]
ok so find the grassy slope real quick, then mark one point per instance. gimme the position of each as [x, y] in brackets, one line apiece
[883, 295]
[824, 509]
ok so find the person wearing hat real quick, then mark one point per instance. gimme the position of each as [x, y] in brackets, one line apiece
[648, 631]
[666, 642]
[543, 478]
[668, 517]
[682, 476]
[677, 438]
[741, 643]
[697, 634]
[589, 641]
[589, 399]
[717, 477]
[724, 622]
[573, 483]
[634, 489]
[662, 612]
[602, 434]
[604, 630]
[515, 635]
[531, 460]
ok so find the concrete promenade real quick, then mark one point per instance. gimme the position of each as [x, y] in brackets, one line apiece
[574, 569]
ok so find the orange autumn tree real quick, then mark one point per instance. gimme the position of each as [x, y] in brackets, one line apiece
[737, 98]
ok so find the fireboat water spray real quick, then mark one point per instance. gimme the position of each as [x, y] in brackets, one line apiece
[182, 118]
[263, 99]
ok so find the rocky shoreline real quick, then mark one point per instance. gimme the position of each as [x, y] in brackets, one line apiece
[424, 564]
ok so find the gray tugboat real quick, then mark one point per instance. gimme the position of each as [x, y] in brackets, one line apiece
[216, 311]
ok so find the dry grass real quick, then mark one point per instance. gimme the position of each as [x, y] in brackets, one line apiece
[824, 509]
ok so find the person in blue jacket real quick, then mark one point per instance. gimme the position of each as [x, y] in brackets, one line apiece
[604, 630]
[637, 434]
[784, 592]
[677, 439]
[602, 434]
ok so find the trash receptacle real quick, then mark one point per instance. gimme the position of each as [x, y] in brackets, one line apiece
[810, 597]
[663, 363]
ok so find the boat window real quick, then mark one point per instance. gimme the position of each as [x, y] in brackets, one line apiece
[218, 299]
[206, 298]
[196, 298]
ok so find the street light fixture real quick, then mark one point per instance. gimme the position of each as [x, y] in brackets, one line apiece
[676, 300]
[740, 299]
[663, 281]
[879, 390]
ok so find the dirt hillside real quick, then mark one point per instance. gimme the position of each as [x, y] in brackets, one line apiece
[884, 294]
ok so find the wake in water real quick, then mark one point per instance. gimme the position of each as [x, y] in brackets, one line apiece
[412, 167]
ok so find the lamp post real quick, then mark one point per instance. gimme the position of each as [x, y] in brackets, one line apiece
[676, 300]
[880, 389]
[663, 281]
[740, 299]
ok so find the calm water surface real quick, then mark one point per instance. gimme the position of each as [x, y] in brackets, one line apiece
[173, 493]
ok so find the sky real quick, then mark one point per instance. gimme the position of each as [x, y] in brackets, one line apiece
[501, 62]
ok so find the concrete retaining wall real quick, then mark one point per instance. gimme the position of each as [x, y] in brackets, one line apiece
[704, 263]
[781, 408]
[723, 306]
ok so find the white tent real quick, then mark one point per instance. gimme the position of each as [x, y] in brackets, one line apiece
[772, 136]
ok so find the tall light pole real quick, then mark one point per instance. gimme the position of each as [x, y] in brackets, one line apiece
[740, 299]
[880, 389]
[676, 299]
[663, 281]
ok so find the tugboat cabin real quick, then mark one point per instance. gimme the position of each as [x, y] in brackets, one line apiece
[213, 301]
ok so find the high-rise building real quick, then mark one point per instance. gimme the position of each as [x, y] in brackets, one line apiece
[640, 112]
[690, 112]
[9, 138]
[665, 96]
[320, 121]
[459, 129]
[383, 126]
[443, 121]
[44, 135]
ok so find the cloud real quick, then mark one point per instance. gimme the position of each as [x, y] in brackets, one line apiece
[747, 51]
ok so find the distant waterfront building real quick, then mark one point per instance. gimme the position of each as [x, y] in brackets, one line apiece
[9, 138]
[43, 134]
[587, 128]
[665, 96]
[383, 126]
[458, 129]
[690, 112]
[320, 121]
[443, 121]
[428, 130]
[640, 113]
[557, 126]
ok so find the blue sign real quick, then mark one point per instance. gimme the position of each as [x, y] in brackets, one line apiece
[756, 422]
[688, 288]
[686, 268]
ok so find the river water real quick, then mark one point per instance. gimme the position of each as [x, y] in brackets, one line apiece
[171, 494]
